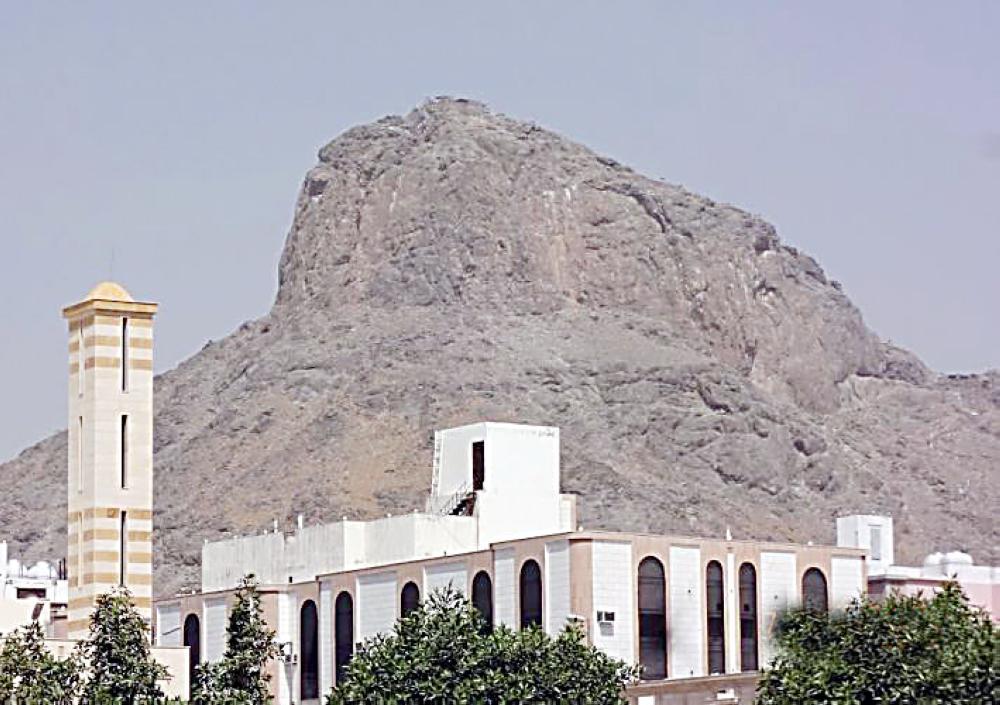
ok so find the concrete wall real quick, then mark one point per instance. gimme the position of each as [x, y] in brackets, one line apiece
[846, 581]
[779, 591]
[613, 592]
[213, 623]
[505, 587]
[556, 585]
[684, 627]
[438, 577]
[872, 533]
[168, 625]
[376, 605]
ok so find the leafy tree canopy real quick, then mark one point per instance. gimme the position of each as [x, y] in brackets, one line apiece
[240, 678]
[29, 673]
[443, 652]
[118, 654]
[903, 650]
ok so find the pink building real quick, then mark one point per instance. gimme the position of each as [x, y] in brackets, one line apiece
[980, 583]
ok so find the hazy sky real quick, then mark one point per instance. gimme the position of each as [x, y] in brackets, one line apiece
[176, 135]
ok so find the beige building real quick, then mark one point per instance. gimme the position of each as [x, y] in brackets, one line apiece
[696, 613]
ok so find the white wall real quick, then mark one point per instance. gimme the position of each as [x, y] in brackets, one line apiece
[732, 606]
[214, 621]
[684, 628]
[168, 626]
[556, 585]
[376, 604]
[287, 630]
[611, 563]
[858, 531]
[779, 591]
[325, 638]
[846, 581]
[504, 587]
[453, 464]
[224, 563]
[438, 577]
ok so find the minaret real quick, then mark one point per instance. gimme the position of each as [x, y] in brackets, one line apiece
[110, 450]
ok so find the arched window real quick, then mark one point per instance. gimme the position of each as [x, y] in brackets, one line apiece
[814, 591]
[652, 619]
[482, 597]
[309, 651]
[748, 617]
[409, 599]
[343, 628]
[716, 603]
[531, 594]
[192, 640]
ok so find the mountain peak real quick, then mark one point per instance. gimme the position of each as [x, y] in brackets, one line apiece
[454, 264]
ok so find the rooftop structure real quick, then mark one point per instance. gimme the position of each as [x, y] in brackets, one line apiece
[980, 583]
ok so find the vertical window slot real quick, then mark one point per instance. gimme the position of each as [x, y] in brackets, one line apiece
[79, 456]
[125, 451]
[122, 549]
[124, 354]
[79, 359]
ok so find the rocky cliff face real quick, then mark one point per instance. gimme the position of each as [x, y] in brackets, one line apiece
[456, 265]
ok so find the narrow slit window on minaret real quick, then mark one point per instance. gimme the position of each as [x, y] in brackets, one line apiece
[79, 550]
[79, 456]
[79, 359]
[124, 444]
[122, 545]
[125, 354]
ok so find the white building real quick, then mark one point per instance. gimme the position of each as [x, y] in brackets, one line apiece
[980, 583]
[30, 593]
[697, 613]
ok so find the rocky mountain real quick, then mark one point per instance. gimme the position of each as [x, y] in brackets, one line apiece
[455, 265]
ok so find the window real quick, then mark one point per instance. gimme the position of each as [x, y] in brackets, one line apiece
[482, 597]
[192, 640]
[409, 599]
[79, 457]
[79, 551]
[124, 354]
[716, 603]
[531, 594]
[652, 619]
[309, 651]
[876, 534]
[122, 547]
[343, 627]
[125, 450]
[814, 591]
[79, 359]
[748, 617]
[478, 465]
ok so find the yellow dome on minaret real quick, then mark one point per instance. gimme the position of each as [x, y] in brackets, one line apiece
[109, 291]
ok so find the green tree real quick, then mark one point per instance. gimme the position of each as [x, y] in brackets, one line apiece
[29, 673]
[440, 653]
[118, 655]
[240, 677]
[903, 650]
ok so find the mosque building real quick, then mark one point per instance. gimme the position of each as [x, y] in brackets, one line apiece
[697, 613]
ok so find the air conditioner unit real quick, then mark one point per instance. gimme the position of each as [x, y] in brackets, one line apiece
[286, 654]
[605, 617]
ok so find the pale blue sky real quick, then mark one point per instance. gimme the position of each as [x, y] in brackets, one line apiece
[177, 134]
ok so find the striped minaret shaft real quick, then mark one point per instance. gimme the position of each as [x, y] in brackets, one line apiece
[110, 451]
